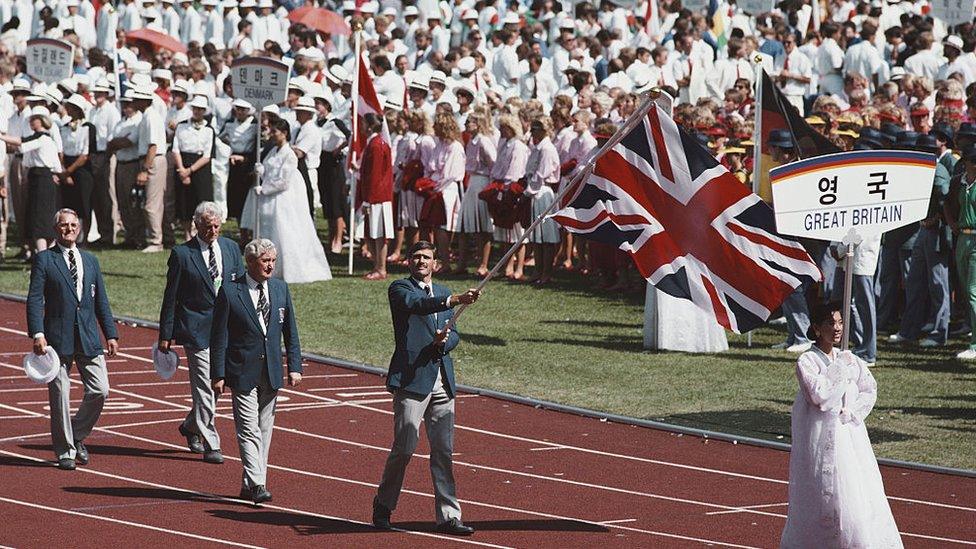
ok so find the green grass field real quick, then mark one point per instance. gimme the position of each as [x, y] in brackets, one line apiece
[572, 344]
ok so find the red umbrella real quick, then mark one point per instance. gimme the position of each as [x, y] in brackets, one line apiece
[157, 39]
[320, 19]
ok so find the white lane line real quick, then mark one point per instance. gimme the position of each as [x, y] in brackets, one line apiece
[362, 388]
[153, 383]
[223, 499]
[24, 389]
[21, 410]
[16, 417]
[546, 448]
[366, 394]
[618, 521]
[128, 505]
[747, 507]
[73, 400]
[126, 522]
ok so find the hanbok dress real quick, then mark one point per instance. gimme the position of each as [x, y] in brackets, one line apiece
[836, 496]
[280, 214]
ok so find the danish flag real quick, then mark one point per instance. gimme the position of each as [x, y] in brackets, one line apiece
[693, 230]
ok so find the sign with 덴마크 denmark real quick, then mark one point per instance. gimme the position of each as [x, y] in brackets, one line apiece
[869, 192]
[953, 12]
[260, 81]
[49, 60]
[755, 7]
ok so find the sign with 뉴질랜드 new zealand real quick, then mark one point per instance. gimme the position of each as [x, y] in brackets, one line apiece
[869, 192]
[260, 81]
[49, 60]
[953, 12]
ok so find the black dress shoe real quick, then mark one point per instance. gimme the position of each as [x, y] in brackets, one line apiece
[213, 456]
[259, 494]
[66, 464]
[81, 453]
[381, 516]
[245, 493]
[192, 441]
[454, 527]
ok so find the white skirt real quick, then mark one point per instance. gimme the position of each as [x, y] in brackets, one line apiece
[474, 211]
[408, 208]
[452, 207]
[379, 219]
[509, 235]
[546, 232]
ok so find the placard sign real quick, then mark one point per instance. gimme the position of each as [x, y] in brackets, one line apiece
[755, 7]
[953, 12]
[260, 81]
[694, 5]
[870, 192]
[50, 60]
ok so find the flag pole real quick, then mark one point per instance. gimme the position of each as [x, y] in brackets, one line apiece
[354, 123]
[756, 142]
[582, 174]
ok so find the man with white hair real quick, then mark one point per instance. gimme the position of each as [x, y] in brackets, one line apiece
[251, 316]
[197, 269]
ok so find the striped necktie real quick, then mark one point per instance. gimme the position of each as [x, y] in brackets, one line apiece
[73, 268]
[213, 264]
[263, 308]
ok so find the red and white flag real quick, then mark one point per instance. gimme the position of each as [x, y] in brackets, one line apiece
[367, 103]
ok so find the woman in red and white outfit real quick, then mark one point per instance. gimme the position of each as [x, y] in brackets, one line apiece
[541, 175]
[481, 152]
[445, 166]
[509, 167]
[376, 193]
[417, 142]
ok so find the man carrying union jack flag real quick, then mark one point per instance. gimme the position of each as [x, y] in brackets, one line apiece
[693, 230]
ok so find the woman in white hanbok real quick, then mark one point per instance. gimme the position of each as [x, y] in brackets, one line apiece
[836, 496]
[278, 210]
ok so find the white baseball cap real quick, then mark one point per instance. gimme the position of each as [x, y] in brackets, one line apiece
[166, 364]
[42, 368]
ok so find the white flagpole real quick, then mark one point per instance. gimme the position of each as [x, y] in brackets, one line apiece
[354, 171]
[582, 174]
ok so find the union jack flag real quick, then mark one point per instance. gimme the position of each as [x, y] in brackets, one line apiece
[692, 229]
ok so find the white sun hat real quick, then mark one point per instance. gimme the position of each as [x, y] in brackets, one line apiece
[42, 368]
[166, 364]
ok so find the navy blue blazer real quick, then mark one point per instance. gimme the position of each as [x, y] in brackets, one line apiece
[53, 306]
[416, 359]
[188, 301]
[239, 350]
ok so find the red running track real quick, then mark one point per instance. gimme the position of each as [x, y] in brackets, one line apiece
[526, 477]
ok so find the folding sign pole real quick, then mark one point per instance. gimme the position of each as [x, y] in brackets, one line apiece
[851, 241]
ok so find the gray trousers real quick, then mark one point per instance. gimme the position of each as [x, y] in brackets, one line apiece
[65, 430]
[133, 220]
[437, 411]
[200, 420]
[254, 413]
[927, 289]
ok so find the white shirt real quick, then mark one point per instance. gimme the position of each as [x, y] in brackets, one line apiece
[65, 252]
[213, 31]
[800, 64]
[104, 118]
[924, 63]
[864, 59]
[191, 27]
[333, 140]
[241, 136]
[129, 129]
[309, 141]
[41, 151]
[151, 132]
[74, 141]
[218, 258]
[252, 289]
[194, 139]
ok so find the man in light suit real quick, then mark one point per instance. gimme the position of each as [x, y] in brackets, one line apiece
[65, 303]
[421, 379]
[197, 269]
[251, 315]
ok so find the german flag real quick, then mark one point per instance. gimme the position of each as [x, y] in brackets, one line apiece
[779, 114]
